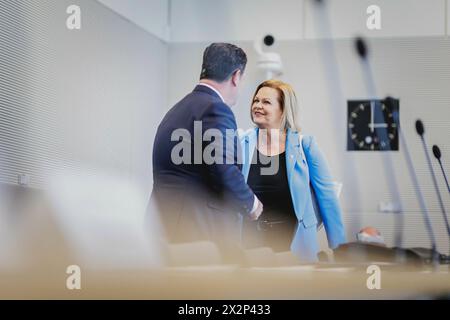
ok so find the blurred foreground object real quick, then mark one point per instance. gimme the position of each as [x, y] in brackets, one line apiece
[95, 221]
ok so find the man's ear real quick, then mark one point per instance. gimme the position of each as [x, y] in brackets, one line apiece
[236, 77]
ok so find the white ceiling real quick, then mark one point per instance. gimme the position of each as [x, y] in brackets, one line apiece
[150, 15]
[246, 20]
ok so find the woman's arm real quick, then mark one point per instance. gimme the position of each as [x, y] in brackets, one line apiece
[323, 184]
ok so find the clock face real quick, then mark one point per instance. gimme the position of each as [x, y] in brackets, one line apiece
[372, 125]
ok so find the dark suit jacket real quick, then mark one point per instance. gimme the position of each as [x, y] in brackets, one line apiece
[199, 201]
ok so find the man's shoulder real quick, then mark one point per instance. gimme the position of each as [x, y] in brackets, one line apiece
[219, 107]
[201, 102]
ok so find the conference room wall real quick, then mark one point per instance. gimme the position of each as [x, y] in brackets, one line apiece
[416, 70]
[85, 101]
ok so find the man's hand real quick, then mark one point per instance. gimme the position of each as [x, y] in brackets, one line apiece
[254, 215]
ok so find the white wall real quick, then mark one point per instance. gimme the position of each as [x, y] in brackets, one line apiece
[236, 20]
[86, 99]
[399, 18]
[447, 5]
[151, 15]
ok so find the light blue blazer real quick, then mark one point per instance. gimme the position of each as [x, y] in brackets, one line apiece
[304, 166]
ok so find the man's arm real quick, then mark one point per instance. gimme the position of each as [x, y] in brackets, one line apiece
[226, 175]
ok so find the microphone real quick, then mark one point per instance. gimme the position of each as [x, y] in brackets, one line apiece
[437, 152]
[361, 48]
[421, 132]
[437, 155]
[419, 128]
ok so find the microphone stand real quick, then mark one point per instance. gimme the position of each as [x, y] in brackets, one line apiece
[420, 131]
[437, 155]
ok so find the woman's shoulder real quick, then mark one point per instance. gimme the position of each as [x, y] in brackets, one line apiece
[309, 144]
[306, 139]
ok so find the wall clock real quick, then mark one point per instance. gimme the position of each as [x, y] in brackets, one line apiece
[372, 125]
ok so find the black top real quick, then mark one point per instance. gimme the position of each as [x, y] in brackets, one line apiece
[276, 225]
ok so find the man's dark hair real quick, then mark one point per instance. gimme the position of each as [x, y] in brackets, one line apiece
[221, 60]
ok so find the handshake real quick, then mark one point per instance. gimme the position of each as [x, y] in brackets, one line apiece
[256, 213]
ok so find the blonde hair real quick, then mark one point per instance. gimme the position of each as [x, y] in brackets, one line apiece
[288, 102]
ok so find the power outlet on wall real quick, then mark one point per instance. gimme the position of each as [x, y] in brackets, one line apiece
[23, 180]
[389, 207]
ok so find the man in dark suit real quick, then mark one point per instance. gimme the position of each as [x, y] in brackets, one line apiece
[200, 199]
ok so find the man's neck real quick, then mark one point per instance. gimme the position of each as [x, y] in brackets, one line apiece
[217, 86]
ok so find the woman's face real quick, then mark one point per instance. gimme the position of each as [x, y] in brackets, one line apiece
[266, 109]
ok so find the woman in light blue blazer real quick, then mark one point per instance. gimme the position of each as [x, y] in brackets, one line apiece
[281, 166]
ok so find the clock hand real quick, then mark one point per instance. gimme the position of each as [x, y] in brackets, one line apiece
[372, 125]
[379, 125]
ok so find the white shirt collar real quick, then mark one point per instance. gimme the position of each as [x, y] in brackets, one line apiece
[213, 89]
